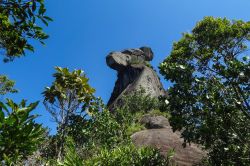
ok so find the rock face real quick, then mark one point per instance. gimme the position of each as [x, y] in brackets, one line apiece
[159, 134]
[132, 66]
[154, 122]
[134, 72]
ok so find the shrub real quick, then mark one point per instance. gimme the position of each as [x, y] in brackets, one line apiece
[139, 101]
[20, 136]
[128, 155]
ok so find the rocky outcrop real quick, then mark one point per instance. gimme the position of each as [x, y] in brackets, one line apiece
[159, 134]
[154, 122]
[134, 72]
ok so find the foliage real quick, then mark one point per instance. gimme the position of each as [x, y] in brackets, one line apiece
[71, 156]
[147, 63]
[120, 155]
[6, 85]
[69, 95]
[139, 101]
[48, 148]
[76, 128]
[20, 136]
[19, 19]
[110, 129]
[133, 128]
[157, 112]
[128, 155]
[104, 130]
[100, 130]
[133, 107]
[210, 96]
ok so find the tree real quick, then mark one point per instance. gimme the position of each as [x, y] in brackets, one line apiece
[6, 85]
[210, 96]
[20, 21]
[20, 136]
[69, 95]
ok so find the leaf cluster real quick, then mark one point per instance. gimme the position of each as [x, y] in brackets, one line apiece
[20, 136]
[19, 25]
[69, 83]
[128, 155]
[6, 85]
[121, 155]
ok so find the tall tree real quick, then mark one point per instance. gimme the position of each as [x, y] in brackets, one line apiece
[20, 24]
[69, 95]
[210, 96]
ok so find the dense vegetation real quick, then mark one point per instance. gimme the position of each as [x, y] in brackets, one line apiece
[209, 100]
[210, 97]
[87, 132]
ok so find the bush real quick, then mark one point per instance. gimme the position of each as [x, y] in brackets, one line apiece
[139, 101]
[104, 130]
[121, 156]
[134, 106]
[20, 136]
[128, 155]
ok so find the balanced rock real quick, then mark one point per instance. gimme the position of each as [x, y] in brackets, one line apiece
[133, 72]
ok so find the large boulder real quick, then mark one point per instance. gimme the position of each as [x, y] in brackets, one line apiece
[159, 134]
[164, 139]
[154, 122]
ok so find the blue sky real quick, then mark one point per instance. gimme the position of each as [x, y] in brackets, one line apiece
[85, 31]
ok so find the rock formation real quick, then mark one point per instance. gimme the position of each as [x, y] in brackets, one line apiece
[134, 72]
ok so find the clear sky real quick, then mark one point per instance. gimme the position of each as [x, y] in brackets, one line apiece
[85, 31]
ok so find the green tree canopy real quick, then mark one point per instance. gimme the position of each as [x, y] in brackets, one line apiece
[210, 96]
[19, 20]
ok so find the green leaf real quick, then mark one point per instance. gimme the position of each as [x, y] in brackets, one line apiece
[48, 18]
[1, 116]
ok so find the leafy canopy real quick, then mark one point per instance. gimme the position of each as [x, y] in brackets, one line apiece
[68, 92]
[68, 83]
[19, 20]
[210, 96]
